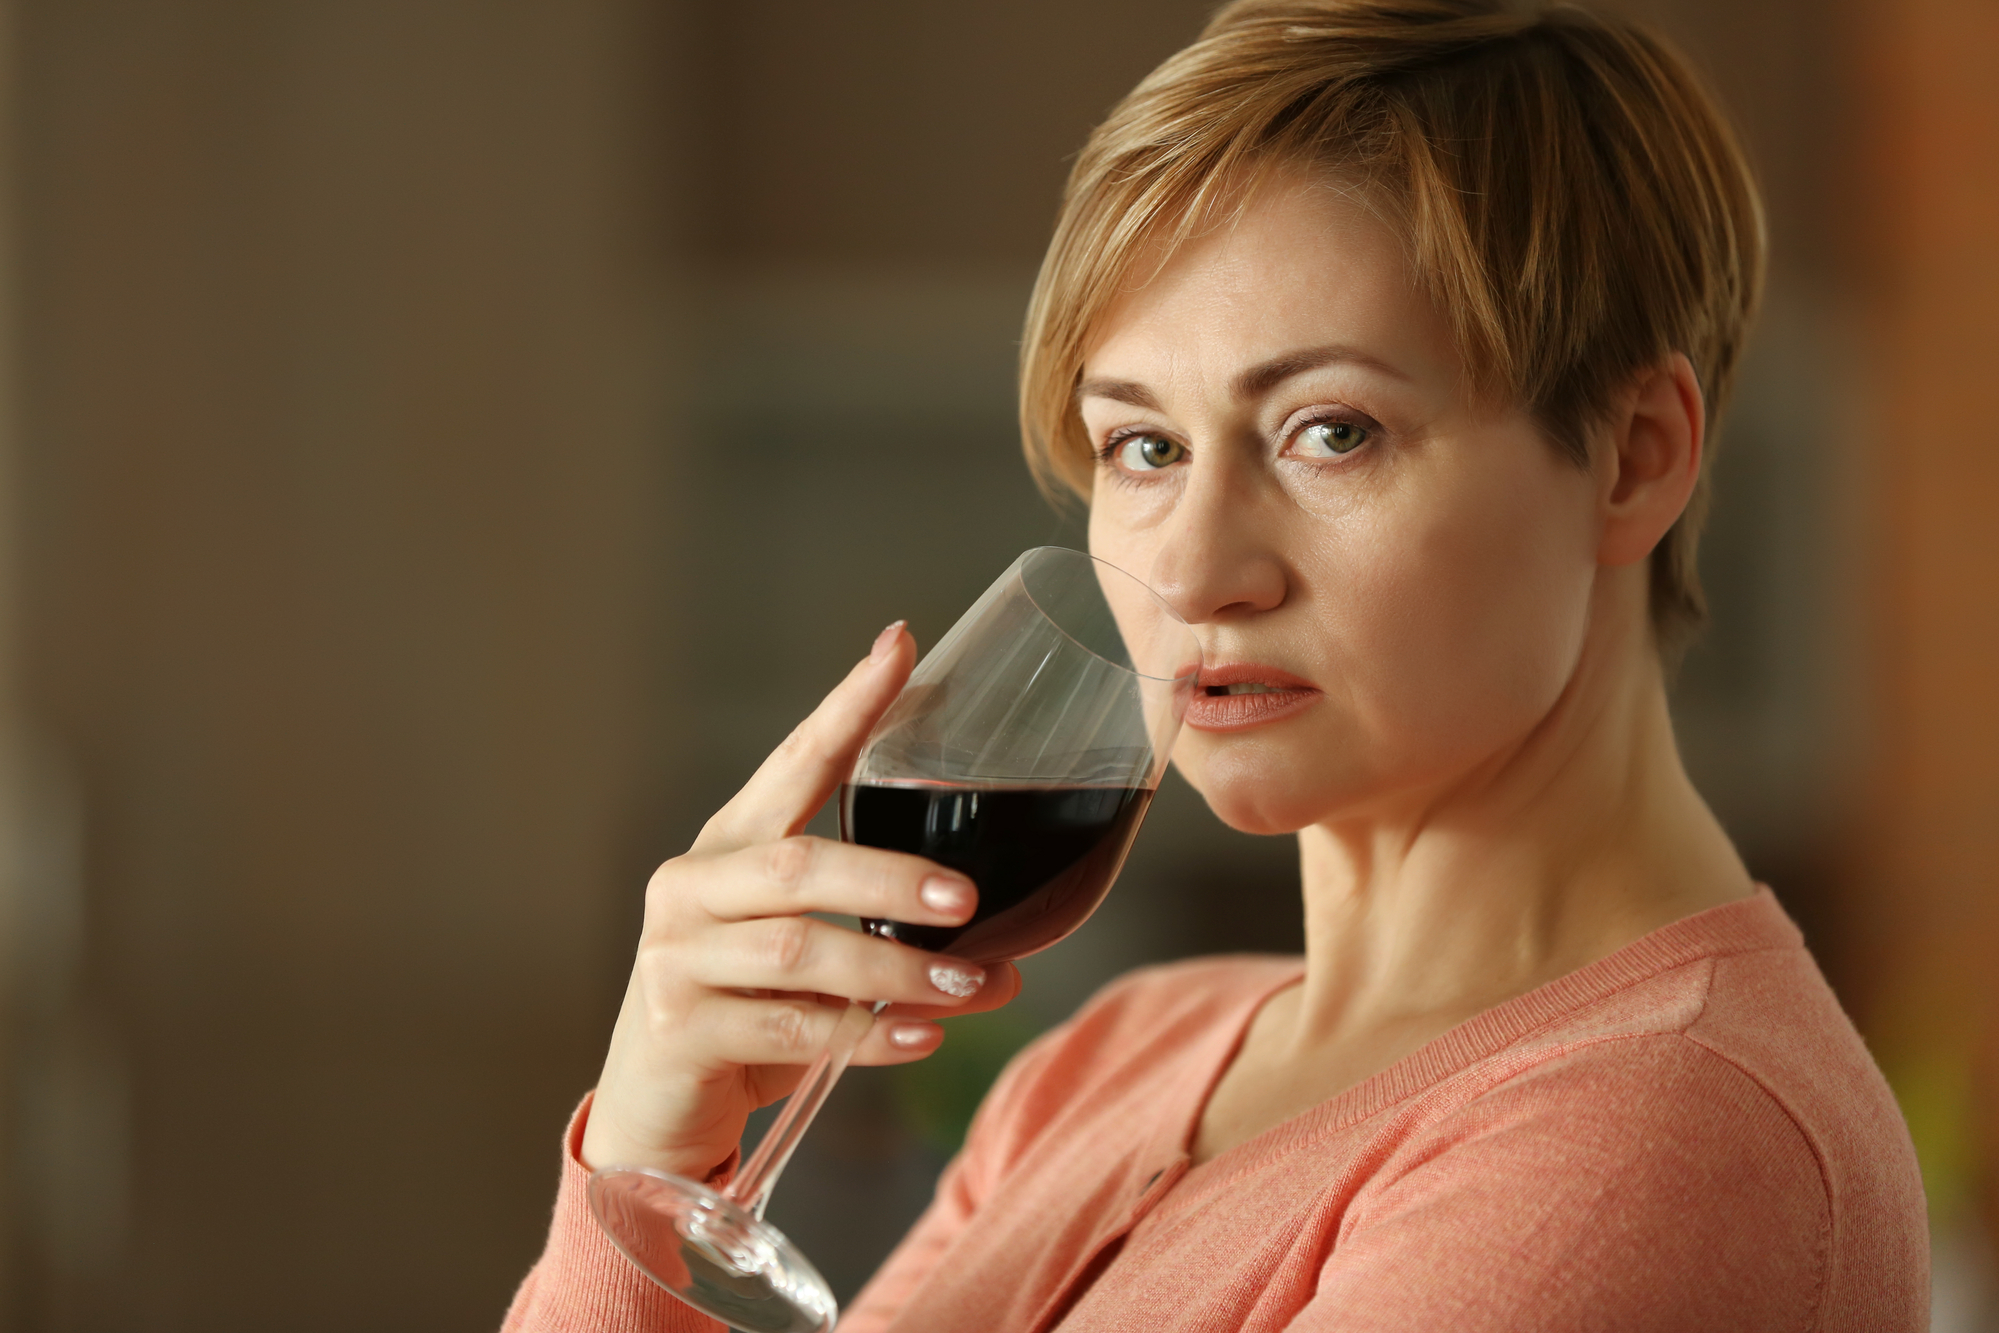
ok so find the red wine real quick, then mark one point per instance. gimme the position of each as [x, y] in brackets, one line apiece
[1042, 857]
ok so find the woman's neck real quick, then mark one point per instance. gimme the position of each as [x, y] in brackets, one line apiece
[1580, 839]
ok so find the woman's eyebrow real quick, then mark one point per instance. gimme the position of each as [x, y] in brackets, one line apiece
[1252, 383]
[1118, 391]
[1261, 379]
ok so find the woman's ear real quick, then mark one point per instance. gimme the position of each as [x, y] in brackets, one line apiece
[1651, 461]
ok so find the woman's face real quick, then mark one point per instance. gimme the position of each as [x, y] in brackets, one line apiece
[1391, 580]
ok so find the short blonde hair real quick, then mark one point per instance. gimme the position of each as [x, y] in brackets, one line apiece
[1573, 200]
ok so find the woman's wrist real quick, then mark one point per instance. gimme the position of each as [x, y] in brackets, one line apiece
[600, 1144]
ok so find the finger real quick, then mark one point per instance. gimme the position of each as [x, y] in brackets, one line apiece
[727, 1029]
[898, 1042]
[790, 786]
[796, 953]
[1001, 988]
[907, 1032]
[800, 874]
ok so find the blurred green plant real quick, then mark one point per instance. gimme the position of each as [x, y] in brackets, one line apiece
[1935, 1091]
[938, 1096]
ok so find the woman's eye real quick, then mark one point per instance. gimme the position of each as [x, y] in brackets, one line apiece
[1149, 453]
[1329, 439]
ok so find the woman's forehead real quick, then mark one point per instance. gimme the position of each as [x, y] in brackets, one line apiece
[1296, 268]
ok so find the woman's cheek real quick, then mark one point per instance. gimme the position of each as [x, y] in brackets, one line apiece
[1117, 543]
[1488, 644]
[1453, 643]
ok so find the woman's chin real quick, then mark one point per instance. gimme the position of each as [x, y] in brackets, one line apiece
[1253, 795]
[1249, 818]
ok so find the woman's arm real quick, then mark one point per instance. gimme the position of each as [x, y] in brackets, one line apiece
[581, 1284]
[725, 1004]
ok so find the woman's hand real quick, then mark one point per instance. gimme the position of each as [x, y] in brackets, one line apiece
[735, 989]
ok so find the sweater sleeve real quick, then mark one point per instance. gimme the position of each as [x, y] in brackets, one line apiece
[581, 1284]
[1633, 1183]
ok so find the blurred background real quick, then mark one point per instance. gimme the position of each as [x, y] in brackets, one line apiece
[444, 445]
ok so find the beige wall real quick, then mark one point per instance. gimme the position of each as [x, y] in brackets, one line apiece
[343, 446]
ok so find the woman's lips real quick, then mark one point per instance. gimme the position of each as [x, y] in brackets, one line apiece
[1238, 696]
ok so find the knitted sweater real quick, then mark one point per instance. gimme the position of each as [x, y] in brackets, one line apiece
[1685, 1135]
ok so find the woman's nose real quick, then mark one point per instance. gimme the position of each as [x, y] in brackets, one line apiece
[1220, 559]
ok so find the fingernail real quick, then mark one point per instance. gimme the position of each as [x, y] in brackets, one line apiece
[960, 980]
[885, 642]
[952, 897]
[914, 1036]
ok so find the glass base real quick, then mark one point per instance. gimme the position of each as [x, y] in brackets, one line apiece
[711, 1253]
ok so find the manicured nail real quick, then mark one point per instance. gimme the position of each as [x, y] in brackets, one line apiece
[947, 897]
[914, 1036]
[960, 980]
[885, 643]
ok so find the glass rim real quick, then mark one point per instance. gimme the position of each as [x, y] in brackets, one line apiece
[1191, 674]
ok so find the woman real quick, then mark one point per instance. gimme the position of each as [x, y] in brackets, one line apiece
[1382, 335]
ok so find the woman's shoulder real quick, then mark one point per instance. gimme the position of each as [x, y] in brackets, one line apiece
[1144, 1024]
[1189, 988]
[1750, 1003]
[1722, 1080]
[1162, 1005]
[1732, 995]
[1171, 1006]
[1607, 1170]
[1733, 987]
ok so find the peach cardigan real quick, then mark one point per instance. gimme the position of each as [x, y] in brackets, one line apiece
[1685, 1135]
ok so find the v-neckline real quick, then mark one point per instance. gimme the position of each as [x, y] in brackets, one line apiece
[1755, 922]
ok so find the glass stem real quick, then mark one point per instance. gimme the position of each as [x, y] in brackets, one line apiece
[752, 1186]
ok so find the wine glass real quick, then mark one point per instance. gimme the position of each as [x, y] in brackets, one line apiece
[1022, 752]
